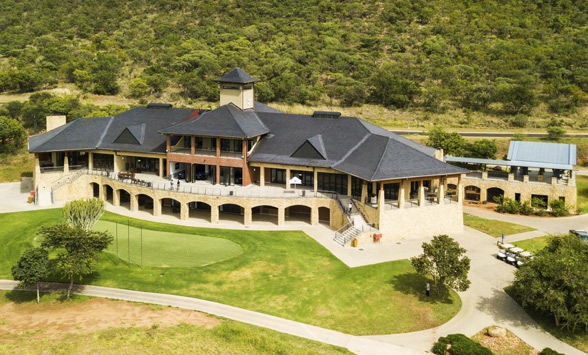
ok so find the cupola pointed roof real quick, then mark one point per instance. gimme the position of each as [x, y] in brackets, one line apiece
[237, 76]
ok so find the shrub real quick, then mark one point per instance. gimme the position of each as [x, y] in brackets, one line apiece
[460, 345]
[509, 206]
[555, 133]
[520, 121]
[549, 351]
[527, 209]
[559, 208]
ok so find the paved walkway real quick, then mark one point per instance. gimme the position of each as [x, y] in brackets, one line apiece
[359, 345]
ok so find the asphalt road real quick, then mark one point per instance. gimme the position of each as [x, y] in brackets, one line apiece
[490, 134]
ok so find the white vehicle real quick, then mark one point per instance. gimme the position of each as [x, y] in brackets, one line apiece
[522, 258]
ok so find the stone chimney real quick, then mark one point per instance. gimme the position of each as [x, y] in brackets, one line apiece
[55, 122]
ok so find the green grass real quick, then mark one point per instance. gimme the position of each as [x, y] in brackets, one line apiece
[578, 340]
[534, 244]
[228, 337]
[12, 166]
[166, 249]
[582, 186]
[494, 227]
[285, 273]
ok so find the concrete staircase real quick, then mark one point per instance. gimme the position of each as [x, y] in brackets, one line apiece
[347, 235]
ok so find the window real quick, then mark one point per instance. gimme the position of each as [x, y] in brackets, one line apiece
[332, 182]
[187, 142]
[307, 177]
[231, 87]
[278, 176]
[198, 142]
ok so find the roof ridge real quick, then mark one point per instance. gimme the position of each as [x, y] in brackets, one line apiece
[352, 150]
[235, 118]
[106, 129]
[381, 158]
[61, 128]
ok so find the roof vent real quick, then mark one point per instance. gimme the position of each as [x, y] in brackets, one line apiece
[326, 114]
[156, 105]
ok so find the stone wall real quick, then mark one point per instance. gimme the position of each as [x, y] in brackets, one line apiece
[420, 222]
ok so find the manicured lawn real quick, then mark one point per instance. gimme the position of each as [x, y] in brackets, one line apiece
[284, 273]
[227, 337]
[534, 244]
[582, 187]
[494, 227]
[166, 249]
[578, 339]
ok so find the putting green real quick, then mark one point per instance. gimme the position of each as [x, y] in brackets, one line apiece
[166, 249]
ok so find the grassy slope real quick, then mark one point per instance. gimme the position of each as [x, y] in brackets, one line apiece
[582, 186]
[228, 337]
[494, 227]
[13, 165]
[286, 274]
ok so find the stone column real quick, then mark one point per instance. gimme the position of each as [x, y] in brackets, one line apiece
[101, 194]
[156, 207]
[161, 167]
[248, 216]
[483, 194]
[402, 195]
[192, 145]
[214, 214]
[54, 158]
[381, 197]
[421, 193]
[571, 178]
[262, 176]
[314, 216]
[90, 161]
[349, 178]
[37, 172]
[553, 180]
[525, 178]
[134, 203]
[441, 191]
[115, 197]
[288, 178]
[315, 181]
[65, 164]
[363, 192]
[510, 177]
[184, 212]
[281, 216]
[484, 175]
[460, 189]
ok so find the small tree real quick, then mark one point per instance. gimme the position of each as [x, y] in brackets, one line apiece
[444, 260]
[452, 143]
[77, 248]
[555, 281]
[83, 213]
[555, 133]
[12, 135]
[32, 266]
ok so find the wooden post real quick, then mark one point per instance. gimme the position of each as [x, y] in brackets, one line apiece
[192, 145]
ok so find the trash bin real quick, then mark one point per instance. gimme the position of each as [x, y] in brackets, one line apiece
[30, 200]
[377, 237]
[354, 243]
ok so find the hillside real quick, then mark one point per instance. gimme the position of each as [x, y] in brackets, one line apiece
[485, 62]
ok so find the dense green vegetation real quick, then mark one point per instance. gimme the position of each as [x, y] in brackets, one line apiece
[283, 273]
[503, 57]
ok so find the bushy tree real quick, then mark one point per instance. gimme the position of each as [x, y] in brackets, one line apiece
[83, 213]
[483, 148]
[31, 268]
[452, 143]
[12, 135]
[555, 282]
[555, 133]
[77, 249]
[138, 88]
[444, 261]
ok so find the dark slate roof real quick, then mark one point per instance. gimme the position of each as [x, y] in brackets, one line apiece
[350, 145]
[225, 121]
[80, 134]
[237, 76]
[101, 133]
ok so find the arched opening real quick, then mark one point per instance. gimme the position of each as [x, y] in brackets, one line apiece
[298, 213]
[324, 214]
[199, 210]
[494, 192]
[95, 189]
[125, 199]
[108, 193]
[145, 203]
[171, 207]
[231, 213]
[472, 193]
[264, 214]
[451, 190]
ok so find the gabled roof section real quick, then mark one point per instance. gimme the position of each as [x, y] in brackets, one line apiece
[226, 121]
[132, 135]
[237, 76]
[549, 153]
[81, 134]
[313, 148]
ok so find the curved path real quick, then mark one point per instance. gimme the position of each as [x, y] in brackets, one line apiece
[359, 345]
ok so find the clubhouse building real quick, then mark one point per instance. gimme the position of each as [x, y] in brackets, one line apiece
[248, 162]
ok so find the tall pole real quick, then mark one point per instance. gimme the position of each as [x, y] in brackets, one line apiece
[129, 242]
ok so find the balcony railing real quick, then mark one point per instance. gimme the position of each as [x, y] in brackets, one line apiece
[228, 154]
[205, 152]
[51, 169]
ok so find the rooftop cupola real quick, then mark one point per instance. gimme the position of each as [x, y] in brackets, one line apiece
[236, 86]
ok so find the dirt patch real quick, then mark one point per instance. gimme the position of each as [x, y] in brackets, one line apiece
[91, 315]
[510, 344]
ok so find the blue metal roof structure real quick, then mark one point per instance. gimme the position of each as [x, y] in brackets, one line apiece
[518, 163]
[550, 153]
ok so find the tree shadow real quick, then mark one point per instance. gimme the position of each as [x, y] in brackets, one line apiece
[414, 284]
